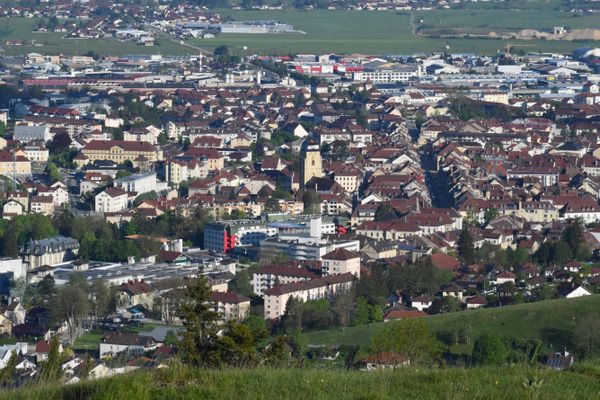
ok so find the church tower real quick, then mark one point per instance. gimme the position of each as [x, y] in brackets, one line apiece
[312, 163]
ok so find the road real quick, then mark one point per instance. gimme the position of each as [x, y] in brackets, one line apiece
[437, 181]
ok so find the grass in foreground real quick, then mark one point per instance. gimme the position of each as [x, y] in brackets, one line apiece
[552, 321]
[517, 382]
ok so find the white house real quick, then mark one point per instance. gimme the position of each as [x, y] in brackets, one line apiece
[111, 200]
[578, 292]
[123, 342]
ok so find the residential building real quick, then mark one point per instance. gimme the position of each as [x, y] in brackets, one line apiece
[277, 297]
[111, 200]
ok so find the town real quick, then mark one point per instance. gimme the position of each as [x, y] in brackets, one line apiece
[309, 192]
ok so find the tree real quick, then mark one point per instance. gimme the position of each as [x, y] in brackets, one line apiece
[53, 172]
[410, 338]
[7, 373]
[221, 51]
[45, 290]
[171, 338]
[101, 298]
[573, 236]
[60, 142]
[586, 334]
[385, 212]
[489, 215]
[466, 249]
[70, 305]
[51, 371]
[291, 321]
[201, 324]
[312, 202]
[272, 205]
[237, 346]
[489, 349]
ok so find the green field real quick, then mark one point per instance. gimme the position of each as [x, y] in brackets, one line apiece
[515, 382]
[543, 19]
[552, 321]
[367, 32]
[377, 32]
[55, 43]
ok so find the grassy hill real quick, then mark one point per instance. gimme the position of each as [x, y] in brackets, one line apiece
[519, 382]
[552, 321]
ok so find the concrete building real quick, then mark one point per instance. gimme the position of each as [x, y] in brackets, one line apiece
[231, 306]
[120, 151]
[111, 200]
[139, 183]
[270, 275]
[341, 261]
[14, 265]
[277, 297]
[306, 248]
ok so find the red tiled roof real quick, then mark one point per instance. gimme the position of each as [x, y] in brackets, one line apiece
[228, 297]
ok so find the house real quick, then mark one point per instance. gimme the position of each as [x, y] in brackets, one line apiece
[578, 292]
[230, 305]
[42, 350]
[111, 200]
[384, 360]
[15, 312]
[421, 302]
[42, 205]
[136, 292]
[503, 277]
[560, 361]
[445, 262]
[475, 302]
[124, 342]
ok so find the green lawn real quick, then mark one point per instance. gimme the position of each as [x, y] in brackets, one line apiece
[517, 382]
[553, 321]
[88, 342]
